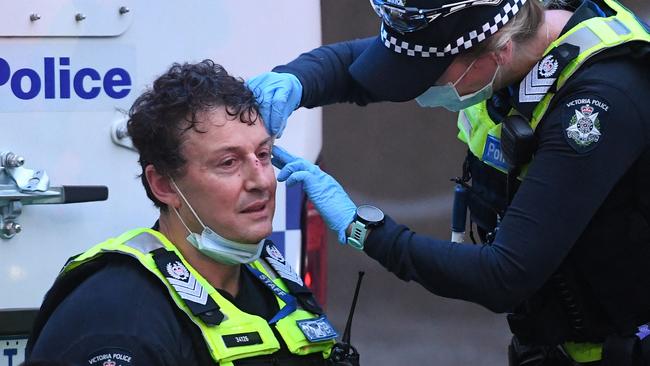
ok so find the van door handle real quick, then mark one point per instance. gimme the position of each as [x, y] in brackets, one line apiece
[20, 186]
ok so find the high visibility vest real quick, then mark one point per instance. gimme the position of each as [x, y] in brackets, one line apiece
[560, 61]
[237, 335]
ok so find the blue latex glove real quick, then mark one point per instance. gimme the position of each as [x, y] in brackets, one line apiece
[278, 94]
[331, 201]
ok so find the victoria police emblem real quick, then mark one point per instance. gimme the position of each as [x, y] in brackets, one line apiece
[583, 128]
[548, 66]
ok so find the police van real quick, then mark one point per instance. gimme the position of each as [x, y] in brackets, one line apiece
[69, 71]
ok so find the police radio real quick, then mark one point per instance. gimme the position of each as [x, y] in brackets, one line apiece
[518, 145]
[343, 353]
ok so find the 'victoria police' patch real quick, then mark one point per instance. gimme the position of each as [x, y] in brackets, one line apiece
[582, 123]
[110, 357]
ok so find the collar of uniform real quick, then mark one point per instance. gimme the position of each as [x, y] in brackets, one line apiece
[587, 10]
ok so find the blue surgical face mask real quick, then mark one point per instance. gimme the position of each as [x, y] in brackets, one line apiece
[447, 96]
[216, 246]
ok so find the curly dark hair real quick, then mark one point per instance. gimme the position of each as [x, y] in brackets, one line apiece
[162, 114]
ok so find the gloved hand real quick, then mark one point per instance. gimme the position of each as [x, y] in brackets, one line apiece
[278, 94]
[325, 192]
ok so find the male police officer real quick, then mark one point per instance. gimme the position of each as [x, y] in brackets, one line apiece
[565, 255]
[203, 287]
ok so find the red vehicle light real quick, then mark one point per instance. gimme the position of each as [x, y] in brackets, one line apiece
[314, 246]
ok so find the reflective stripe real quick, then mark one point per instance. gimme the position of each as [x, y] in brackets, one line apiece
[618, 27]
[144, 243]
[584, 38]
[584, 352]
[608, 35]
[465, 124]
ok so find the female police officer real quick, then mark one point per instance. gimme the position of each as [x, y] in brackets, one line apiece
[565, 255]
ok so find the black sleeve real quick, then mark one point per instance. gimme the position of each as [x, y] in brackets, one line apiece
[118, 314]
[572, 173]
[323, 73]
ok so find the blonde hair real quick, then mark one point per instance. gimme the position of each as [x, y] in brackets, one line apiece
[520, 29]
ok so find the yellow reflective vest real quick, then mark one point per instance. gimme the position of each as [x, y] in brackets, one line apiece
[237, 335]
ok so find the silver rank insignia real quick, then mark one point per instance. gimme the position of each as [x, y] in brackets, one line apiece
[280, 265]
[186, 286]
[316, 330]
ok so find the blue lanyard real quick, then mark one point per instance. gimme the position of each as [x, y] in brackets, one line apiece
[289, 301]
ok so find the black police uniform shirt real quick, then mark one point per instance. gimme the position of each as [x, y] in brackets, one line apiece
[580, 203]
[125, 314]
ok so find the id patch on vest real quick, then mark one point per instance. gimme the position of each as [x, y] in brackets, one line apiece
[316, 330]
[582, 122]
[110, 357]
[241, 339]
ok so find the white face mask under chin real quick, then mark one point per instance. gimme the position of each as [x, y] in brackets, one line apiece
[216, 246]
[447, 96]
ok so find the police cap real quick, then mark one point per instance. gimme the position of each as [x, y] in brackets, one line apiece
[419, 39]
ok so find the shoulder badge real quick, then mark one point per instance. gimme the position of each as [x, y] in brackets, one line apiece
[178, 271]
[317, 330]
[274, 253]
[185, 283]
[548, 66]
[582, 124]
[276, 260]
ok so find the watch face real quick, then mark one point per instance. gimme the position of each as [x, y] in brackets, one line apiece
[370, 214]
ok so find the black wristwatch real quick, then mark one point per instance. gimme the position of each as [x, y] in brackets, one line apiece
[367, 217]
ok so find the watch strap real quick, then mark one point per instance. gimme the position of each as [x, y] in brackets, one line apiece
[358, 235]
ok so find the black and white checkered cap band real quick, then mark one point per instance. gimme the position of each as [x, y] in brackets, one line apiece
[463, 43]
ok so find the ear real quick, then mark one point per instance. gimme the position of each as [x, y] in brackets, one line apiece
[161, 187]
[505, 54]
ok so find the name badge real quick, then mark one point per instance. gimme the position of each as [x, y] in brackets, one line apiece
[242, 339]
[316, 330]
